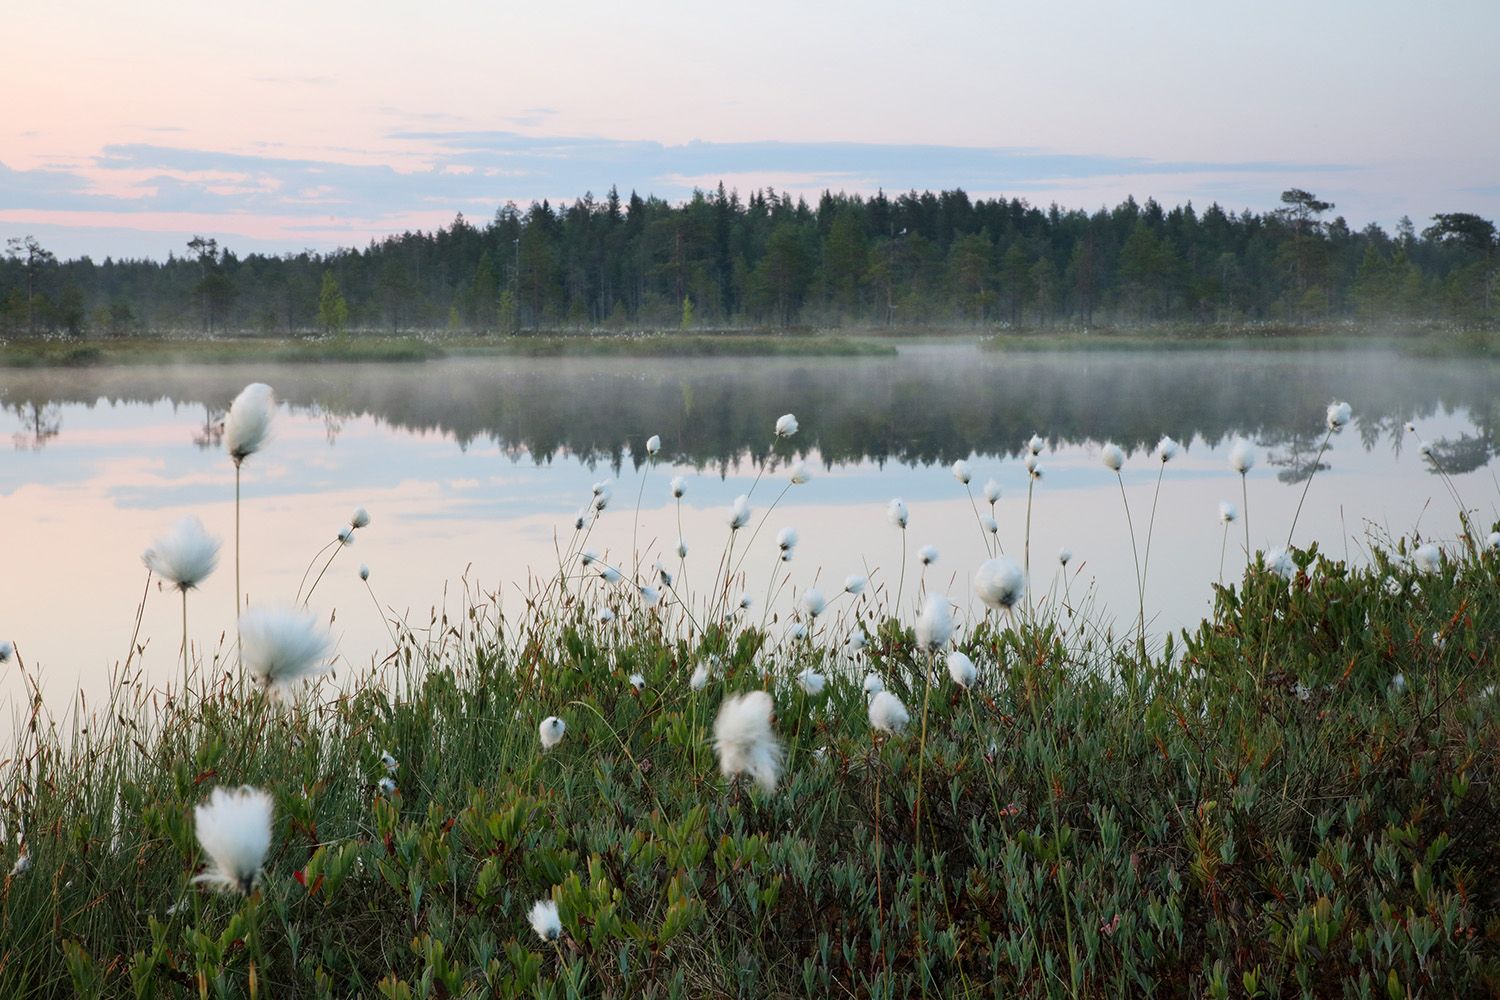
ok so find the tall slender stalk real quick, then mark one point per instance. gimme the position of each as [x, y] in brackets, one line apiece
[1151, 524]
[1139, 584]
[1317, 462]
[1245, 513]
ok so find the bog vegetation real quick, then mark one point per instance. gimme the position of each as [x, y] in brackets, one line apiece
[647, 784]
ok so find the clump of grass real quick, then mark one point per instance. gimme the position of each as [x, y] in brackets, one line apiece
[1260, 809]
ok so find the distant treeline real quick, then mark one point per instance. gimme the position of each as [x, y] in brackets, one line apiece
[772, 260]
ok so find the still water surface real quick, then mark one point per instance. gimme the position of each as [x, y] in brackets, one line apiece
[469, 467]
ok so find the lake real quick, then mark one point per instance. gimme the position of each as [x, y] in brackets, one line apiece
[471, 466]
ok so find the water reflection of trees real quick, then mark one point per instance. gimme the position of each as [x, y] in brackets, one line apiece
[929, 406]
[40, 422]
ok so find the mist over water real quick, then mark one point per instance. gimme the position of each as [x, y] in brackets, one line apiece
[469, 466]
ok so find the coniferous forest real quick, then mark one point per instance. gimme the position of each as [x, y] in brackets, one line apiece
[719, 260]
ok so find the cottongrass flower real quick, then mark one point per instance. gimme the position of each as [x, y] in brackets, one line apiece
[1035, 445]
[1036, 470]
[873, 685]
[545, 920]
[1339, 415]
[854, 584]
[364, 572]
[1228, 512]
[887, 714]
[637, 681]
[928, 554]
[796, 631]
[1279, 561]
[1494, 540]
[700, 677]
[1167, 449]
[991, 492]
[1064, 555]
[234, 831]
[7, 650]
[606, 616]
[739, 513]
[386, 786]
[811, 682]
[1398, 684]
[786, 540]
[935, 623]
[650, 596]
[388, 761]
[961, 472]
[786, 425]
[360, 518]
[346, 535]
[1113, 457]
[1425, 449]
[1242, 456]
[897, 514]
[1427, 558]
[588, 556]
[283, 646]
[813, 602]
[744, 740]
[185, 555]
[248, 425]
[962, 669]
[799, 474]
[551, 731]
[1031, 461]
[856, 643]
[682, 548]
[653, 444]
[989, 524]
[679, 487]
[1000, 583]
[22, 865]
[746, 601]
[609, 575]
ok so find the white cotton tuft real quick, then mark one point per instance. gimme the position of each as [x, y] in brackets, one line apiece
[637, 681]
[360, 518]
[813, 602]
[887, 714]
[248, 425]
[800, 475]
[1241, 456]
[234, 831]
[786, 539]
[1228, 512]
[650, 596]
[961, 472]
[811, 682]
[283, 646]
[1495, 539]
[364, 571]
[992, 491]
[7, 649]
[551, 731]
[744, 740]
[935, 623]
[545, 920]
[606, 616]
[653, 444]
[185, 555]
[856, 644]
[962, 669]
[1425, 449]
[1000, 583]
[855, 584]
[386, 786]
[1035, 445]
[609, 574]
[388, 761]
[786, 425]
[1167, 449]
[682, 548]
[1428, 558]
[700, 677]
[679, 487]
[897, 513]
[1339, 415]
[1113, 457]
[346, 535]
[739, 513]
[1065, 555]
[1036, 470]
[1279, 561]
[873, 684]
[746, 601]
[928, 554]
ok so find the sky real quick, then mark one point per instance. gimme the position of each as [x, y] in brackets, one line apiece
[279, 126]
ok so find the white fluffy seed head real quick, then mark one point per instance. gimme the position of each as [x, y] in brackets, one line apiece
[234, 831]
[989, 524]
[7, 650]
[283, 646]
[1000, 583]
[800, 474]
[935, 623]
[786, 425]
[1036, 470]
[609, 574]
[545, 920]
[346, 535]
[1338, 416]
[855, 584]
[992, 491]
[388, 761]
[386, 786]
[1279, 561]
[364, 571]
[248, 425]
[739, 513]
[1425, 449]
[700, 677]
[746, 601]
[653, 444]
[928, 554]
[185, 555]
[1113, 457]
[786, 538]
[897, 514]
[1495, 539]
[606, 616]
[887, 714]
[811, 682]
[873, 684]
[360, 518]
[813, 602]
[650, 596]
[1241, 456]
[961, 669]
[551, 731]
[1167, 449]
[744, 740]
[961, 472]
[1228, 512]
[857, 643]
[637, 681]
[1064, 555]
[679, 487]
[682, 548]
[1428, 558]
[1035, 445]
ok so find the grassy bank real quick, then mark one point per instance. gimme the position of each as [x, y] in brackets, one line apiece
[1297, 798]
[1416, 341]
[58, 352]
